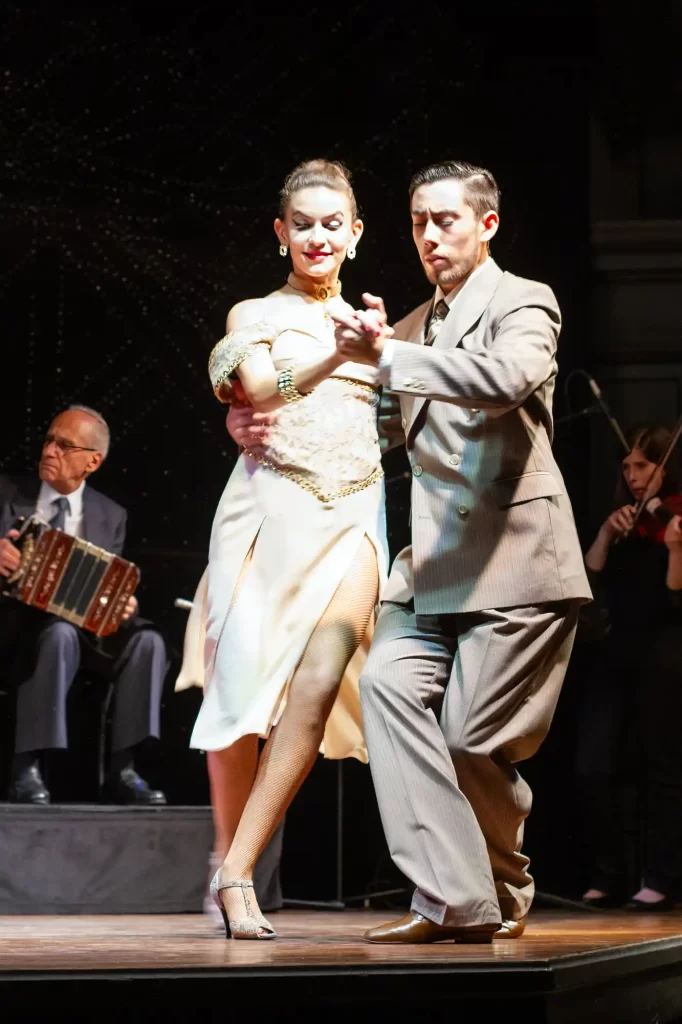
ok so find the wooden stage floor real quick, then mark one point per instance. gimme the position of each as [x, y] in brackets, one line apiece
[566, 964]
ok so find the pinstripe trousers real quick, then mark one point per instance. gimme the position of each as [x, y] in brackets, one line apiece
[450, 704]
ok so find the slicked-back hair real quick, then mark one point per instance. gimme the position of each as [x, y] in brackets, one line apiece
[480, 188]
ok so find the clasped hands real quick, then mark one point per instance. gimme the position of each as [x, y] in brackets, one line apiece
[361, 335]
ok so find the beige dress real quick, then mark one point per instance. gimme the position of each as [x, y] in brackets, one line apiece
[303, 505]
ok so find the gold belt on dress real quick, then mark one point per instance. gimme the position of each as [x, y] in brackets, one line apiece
[358, 384]
[306, 484]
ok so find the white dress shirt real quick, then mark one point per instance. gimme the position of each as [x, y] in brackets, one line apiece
[74, 515]
[386, 357]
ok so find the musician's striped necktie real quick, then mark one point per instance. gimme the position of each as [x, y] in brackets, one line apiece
[62, 506]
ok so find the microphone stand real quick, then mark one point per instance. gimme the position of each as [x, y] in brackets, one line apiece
[601, 406]
[570, 416]
[596, 391]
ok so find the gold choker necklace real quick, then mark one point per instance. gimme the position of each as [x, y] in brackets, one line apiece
[320, 292]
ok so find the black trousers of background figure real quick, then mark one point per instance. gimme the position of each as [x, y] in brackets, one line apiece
[631, 730]
[46, 653]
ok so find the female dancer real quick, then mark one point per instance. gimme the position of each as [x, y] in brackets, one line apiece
[637, 688]
[298, 548]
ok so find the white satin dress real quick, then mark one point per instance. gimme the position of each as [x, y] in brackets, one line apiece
[302, 504]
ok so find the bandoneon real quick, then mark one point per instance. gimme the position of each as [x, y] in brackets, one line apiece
[71, 578]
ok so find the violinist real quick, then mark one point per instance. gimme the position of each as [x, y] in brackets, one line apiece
[636, 692]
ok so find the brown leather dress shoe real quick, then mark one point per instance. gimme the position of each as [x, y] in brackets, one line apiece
[511, 929]
[413, 928]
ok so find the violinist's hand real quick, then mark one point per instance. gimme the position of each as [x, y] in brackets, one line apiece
[619, 522]
[247, 427]
[673, 532]
[10, 556]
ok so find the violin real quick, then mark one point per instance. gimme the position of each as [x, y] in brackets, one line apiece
[656, 514]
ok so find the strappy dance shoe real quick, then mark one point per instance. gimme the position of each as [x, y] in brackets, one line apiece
[253, 925]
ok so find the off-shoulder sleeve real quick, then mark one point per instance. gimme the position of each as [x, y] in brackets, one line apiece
[232, 350]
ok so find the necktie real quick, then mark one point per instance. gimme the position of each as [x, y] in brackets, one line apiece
[440, 312]
[58, 521]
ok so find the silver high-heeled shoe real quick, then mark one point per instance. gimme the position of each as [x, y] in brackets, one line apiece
[253, 925]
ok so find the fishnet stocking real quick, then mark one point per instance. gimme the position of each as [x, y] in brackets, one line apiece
[292, 746]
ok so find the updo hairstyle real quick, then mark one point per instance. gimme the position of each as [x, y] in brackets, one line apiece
[318, 174]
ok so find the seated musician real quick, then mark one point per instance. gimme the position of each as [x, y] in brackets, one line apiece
[43, 653]
[631, 718]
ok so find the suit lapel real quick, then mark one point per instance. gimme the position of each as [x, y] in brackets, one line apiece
[414, 323]
[415, 332]
[95, 526]
[25, 499]
[469, 307]
[466, 311]
[422, 315]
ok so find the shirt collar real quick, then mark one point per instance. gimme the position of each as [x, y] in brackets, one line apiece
[48, 495]
[451, 296]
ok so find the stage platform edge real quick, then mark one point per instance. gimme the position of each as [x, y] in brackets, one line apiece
[608, 968]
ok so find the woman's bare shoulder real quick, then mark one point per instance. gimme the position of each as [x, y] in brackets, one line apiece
[251, 311]
[245, 313]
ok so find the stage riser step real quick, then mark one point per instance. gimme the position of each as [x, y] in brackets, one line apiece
[71, 859]
[93, 859]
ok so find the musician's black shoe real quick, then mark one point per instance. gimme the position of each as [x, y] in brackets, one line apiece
[606, 902]
[28, 787]
[657, 907]
[128, 788]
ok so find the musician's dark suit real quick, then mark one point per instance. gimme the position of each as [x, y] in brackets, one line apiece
[43, 653]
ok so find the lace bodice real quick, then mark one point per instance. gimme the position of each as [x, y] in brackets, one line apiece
[327, 441]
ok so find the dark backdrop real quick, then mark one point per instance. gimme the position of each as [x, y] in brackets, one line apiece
[146, 149]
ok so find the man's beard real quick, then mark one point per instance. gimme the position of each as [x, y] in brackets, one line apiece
[452, 275]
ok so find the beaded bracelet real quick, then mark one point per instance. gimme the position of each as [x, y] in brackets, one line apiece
[287, 388]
